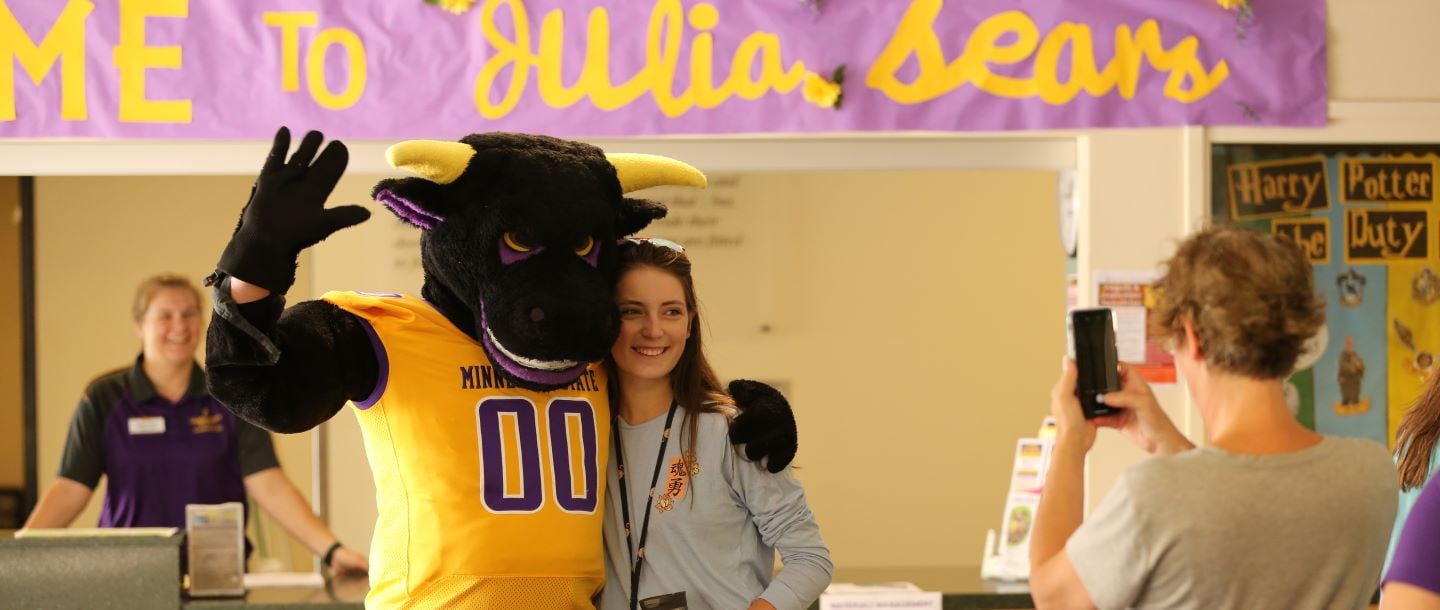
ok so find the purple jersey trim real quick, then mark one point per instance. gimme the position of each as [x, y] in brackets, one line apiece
[382, 367]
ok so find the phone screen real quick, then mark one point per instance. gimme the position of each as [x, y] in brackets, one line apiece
[1092, 345]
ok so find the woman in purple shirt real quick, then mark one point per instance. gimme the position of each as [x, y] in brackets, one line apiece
[1413, 581]
[161, 441]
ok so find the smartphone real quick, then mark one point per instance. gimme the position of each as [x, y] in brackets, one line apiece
[1091, 335]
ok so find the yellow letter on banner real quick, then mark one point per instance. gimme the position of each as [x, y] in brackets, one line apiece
[514, 53]
[65, 41]
[132, 58]
[664, 43]
[984, 48]
[915, 35]
[552, 56]
[315, 68]
[290, 24]
[1187, 79]
[1180, 61]
[595, 78]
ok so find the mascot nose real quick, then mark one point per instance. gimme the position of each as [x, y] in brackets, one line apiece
[537, 314]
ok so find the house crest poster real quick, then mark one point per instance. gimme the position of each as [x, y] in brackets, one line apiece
[1365, 216]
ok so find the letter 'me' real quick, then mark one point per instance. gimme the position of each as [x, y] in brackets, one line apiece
[65, 41]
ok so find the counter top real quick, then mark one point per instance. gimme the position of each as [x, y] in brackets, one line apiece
[962, 588]
[337, 594]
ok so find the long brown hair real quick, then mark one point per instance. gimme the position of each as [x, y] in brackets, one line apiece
[1415, 439]
[693, 381]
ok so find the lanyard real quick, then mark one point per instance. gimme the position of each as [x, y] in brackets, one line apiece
[637, 559]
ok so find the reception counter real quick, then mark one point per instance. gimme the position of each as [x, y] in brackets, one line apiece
[140, 571]
[962, 588]
[143, 572]
[337, 594]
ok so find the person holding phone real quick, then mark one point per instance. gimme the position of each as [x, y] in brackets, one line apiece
[1268, 514]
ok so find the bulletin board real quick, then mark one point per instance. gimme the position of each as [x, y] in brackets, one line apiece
[1365, 216]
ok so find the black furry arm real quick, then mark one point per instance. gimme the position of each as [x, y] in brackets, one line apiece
[765, 425]
[286, 370]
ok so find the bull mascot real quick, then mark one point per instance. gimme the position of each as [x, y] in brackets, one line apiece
[486, 420]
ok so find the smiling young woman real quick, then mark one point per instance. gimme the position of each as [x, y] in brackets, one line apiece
[715, 520]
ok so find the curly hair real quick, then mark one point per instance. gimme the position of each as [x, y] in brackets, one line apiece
[1250, 297]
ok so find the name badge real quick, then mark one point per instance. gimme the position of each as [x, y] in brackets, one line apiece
[670, 601]
[147, 425]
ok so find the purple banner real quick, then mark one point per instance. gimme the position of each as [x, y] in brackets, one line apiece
[397, 69]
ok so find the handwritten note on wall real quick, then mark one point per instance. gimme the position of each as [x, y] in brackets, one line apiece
[701, 219]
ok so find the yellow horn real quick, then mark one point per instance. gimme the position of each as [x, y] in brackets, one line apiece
[434, 160]
[638, 172]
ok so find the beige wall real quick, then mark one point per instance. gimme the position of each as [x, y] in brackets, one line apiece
[96, 239]
[917, 319]
[12, 396]
[1133, 182]
[1383, 50]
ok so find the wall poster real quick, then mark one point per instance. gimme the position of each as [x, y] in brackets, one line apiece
[1365, 216]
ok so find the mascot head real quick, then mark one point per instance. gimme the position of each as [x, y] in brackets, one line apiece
[520, 238]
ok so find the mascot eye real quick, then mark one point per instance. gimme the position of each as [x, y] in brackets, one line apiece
[585, 247]
[514, 242]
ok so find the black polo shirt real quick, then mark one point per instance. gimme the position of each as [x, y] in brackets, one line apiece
[157, 455]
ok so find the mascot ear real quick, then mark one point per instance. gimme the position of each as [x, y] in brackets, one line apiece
[421, 201]
[636, 214]
[416, 201]
[637, 172]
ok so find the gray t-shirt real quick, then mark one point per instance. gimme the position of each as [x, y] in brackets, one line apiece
[1212, 529]
[718, 541]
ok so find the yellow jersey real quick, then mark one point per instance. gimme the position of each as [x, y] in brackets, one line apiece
[490, 496]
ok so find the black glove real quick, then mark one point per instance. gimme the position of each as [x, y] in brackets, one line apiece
[766, 425]
[286, 212]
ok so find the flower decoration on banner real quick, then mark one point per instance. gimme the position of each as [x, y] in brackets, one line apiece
[1243, 16]
[823, 92]
[457, 7]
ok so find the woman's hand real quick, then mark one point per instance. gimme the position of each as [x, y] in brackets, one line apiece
[1072, 429]
[1142, 420]
[346, 562]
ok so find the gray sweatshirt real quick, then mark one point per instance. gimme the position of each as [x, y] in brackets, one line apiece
[718, 542]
